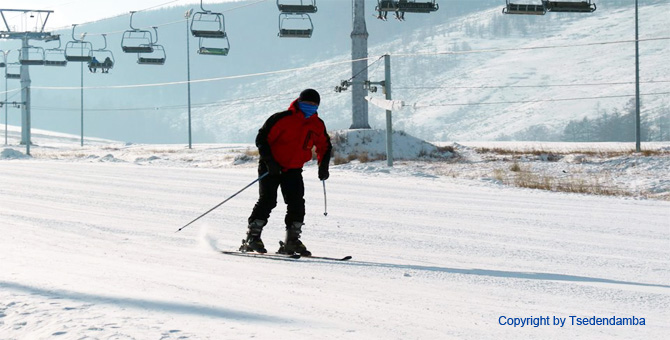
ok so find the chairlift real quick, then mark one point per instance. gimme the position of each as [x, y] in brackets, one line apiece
[214, 50]
[208, 24]
[528, 9]
[157, 55]
[400, 7]
[55, 56]
[103, 54]
[136, 40]
[570, 6]
[293, 8]
[300, 32]
[13, 71]
[31, 56]
[78, 50]
[411, 6]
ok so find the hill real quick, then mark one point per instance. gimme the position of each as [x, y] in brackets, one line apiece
[468, 71]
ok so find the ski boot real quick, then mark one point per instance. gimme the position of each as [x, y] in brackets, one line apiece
[293, 245]
[253, 242]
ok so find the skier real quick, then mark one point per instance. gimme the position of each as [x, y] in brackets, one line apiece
[285, 144]
[93, 65]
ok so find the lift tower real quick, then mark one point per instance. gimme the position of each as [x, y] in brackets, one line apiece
[26, 59]
[359, 67]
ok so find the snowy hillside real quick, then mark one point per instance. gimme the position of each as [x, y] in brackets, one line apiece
[438, 67]
[89, 251]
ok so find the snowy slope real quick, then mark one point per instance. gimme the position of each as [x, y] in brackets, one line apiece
[89, 251]
[451, 93]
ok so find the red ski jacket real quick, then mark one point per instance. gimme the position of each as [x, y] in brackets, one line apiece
[288, 137]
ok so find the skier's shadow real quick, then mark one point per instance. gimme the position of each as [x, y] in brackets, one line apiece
[502, 273]
[125, 302]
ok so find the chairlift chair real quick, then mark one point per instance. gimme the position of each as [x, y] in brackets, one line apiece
[293, 8]
[78, 50]
[3, 61]
[103, 59]
[213, 50]
[208, 24]
[157, 55]
[570, 6]
[387, 5]
[33, 56]
[55, 56]
[13, 71]
[136, 40]
[411, 6]
[528, 9]
[304, 32]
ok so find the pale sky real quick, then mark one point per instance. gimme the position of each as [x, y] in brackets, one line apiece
[68, 12]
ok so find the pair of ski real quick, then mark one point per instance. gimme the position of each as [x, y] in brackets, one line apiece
[288, 257]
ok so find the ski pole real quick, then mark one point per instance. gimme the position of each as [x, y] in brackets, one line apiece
[325, 203]
[226, 200]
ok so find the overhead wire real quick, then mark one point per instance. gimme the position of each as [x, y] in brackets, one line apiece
[158, 25]
[418, 105]
[200, 80]
[257, 99]
[369, 65]
[342, 62]
[527, 48]
[525, 86]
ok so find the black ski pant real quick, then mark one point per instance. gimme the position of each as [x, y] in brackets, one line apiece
[292, 189]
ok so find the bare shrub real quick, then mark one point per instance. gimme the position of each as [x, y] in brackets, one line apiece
[337, 160]
[446, 148]
[499, 175]
[252, 152]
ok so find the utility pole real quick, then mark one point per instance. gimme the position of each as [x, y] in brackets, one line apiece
[4, 55]
[389, 120]
[25, 97]
[637, 83]
[188, 73]
[359, 55]
[81, 95]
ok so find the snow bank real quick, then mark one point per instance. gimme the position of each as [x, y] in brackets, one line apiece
[8, 153]
[372, 143]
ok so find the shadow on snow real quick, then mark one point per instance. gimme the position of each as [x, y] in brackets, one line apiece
[502, 273]
[164, 306]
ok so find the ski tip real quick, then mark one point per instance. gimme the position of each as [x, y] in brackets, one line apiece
[346, 258]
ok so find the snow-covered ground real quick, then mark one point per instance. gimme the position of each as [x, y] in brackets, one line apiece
[88, 249]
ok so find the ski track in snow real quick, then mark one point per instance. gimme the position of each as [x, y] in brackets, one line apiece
[89, 251]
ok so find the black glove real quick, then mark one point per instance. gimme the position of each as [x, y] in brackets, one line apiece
[323, 172]
[274, 169]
